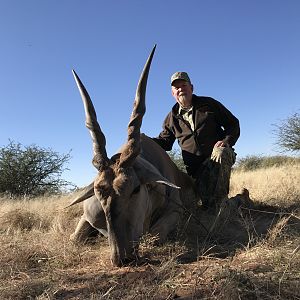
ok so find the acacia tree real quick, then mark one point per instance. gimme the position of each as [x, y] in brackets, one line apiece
[288, 133]
[31, 170]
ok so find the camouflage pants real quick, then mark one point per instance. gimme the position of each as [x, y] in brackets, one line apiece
[212, 181]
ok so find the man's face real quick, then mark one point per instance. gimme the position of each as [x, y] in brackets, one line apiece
[182, 91]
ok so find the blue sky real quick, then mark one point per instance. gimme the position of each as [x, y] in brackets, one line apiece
[245, 54]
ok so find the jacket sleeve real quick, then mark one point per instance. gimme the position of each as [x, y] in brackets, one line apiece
[166, 138]
[229, 123]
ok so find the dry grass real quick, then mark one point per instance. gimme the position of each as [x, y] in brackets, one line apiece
[275, 185]
[248, 254]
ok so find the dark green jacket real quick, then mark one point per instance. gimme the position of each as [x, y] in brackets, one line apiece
[213, 122]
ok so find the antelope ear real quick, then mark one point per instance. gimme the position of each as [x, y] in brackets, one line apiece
[86, 193]
[147, 173]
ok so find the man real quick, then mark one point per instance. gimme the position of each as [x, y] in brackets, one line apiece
[206, 132]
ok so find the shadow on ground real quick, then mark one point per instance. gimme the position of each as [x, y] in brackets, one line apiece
[238, 223]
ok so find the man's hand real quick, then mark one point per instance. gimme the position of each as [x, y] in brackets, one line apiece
[221, 144]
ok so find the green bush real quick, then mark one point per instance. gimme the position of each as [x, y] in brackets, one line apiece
[31, 170]
[175, 155]
[252, 162]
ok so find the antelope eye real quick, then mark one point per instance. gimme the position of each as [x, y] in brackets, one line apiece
[136, 190]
